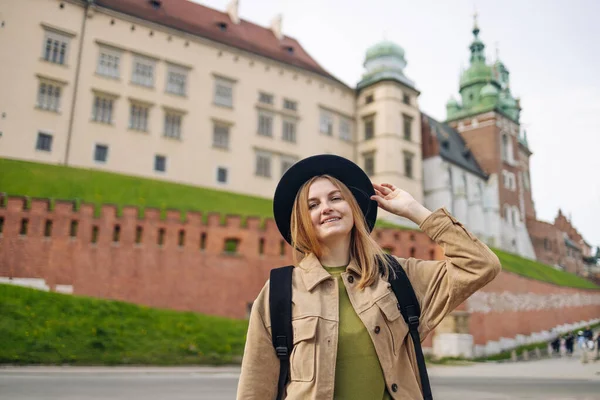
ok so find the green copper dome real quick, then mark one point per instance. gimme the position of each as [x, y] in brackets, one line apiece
[489, 90]
[384, 49]
[476, 73]
[385, 62]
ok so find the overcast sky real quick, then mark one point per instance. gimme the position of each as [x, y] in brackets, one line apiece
[549, 46]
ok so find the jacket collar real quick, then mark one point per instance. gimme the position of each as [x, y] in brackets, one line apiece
[313, 273]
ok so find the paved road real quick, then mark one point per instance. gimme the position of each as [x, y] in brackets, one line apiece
[559, 379]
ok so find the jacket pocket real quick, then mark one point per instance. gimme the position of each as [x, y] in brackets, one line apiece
[303, 357]
[393, 320]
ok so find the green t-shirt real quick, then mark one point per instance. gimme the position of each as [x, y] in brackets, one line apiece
[358, 374]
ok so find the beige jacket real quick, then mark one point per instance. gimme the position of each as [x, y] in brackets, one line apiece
[440, 287]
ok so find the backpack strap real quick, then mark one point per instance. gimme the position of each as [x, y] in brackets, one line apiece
[280, 305]
[411, 311]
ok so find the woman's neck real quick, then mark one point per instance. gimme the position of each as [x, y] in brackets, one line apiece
[336, 254]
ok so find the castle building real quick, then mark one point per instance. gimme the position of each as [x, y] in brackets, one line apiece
[177, 91]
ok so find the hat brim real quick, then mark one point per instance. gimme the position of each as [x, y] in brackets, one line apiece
[325, 164]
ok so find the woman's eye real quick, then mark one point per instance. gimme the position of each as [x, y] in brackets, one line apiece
[311, 206]
[336, 198]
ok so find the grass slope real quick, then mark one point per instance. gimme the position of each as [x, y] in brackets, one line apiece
[541, 272]
[49, 328]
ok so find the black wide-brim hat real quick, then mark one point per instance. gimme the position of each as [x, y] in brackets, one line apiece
[341, 168]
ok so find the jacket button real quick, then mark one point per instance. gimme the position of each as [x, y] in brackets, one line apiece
[377, 329]
[394, 388]
[351, 279]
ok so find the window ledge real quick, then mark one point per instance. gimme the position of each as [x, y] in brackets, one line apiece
[222, 148]
[141, 85]
[112, 123]
[178, 139]
[146, 132]
[265, 136]
[180, 95]
[54, 63]
[222, 106]
[112, 78]
[262, 176]
[57, 112]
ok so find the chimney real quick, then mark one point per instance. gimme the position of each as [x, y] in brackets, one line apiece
[232, 10]
[276, 26]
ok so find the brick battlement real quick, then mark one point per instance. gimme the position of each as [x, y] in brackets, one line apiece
[207, 263]
[211, 263]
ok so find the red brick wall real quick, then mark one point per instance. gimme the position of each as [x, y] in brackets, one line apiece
[171, 276]
[506, 322]
[203, 280]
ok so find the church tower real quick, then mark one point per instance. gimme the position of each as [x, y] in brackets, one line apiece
[488, 118]
[389, 124]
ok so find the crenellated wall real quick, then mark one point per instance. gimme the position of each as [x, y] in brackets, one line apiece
[182, 261]
[217, 264]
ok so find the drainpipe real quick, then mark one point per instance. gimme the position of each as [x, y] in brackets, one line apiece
[76, 84]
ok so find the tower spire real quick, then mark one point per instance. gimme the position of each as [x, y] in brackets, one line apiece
[475, 26]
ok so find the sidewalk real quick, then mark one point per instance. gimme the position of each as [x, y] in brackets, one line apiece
[549, 368]
[553, 368]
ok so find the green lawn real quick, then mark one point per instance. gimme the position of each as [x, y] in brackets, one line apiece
[98, 187]
[50, 328]
[542, 272]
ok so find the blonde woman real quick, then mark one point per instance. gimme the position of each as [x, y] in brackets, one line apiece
[349, 340]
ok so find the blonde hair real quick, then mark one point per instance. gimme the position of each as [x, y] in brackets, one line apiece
[364, 250]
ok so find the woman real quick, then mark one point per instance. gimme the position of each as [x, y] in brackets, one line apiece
[349, 340]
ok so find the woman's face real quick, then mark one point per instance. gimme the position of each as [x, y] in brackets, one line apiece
[330, 213]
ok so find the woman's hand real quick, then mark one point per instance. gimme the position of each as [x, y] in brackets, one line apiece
[399, 202]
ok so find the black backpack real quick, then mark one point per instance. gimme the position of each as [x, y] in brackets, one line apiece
[280, 303]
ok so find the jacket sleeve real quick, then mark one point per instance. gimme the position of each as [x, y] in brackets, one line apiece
[260, 365]
[441, 286]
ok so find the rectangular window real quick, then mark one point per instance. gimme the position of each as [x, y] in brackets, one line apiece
[222, 175]
[143, 71]
[369, 163]
[173, 125]
[265, 98]
[326, 123]
[108, 63]
[223, 92]
[101, 153]
[369, 99]
[406, 99]
[221, 136]
[369, 123]
[263, 164]
[407, 122]
[286, 163]
[408, 164]
[49, 96]
[44, 142]
[345, 129]
[265, 124]
[177, 80]
[289, 131]
[55, 47]
[103, 109]
[138, 117]
[160, 163]
[290, 105]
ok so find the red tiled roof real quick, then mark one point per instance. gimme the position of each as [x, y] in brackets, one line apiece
[196, 19]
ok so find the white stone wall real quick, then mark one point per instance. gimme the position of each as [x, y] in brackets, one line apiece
[463, 193]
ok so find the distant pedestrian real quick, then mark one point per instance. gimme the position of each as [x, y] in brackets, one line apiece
[569, 341]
